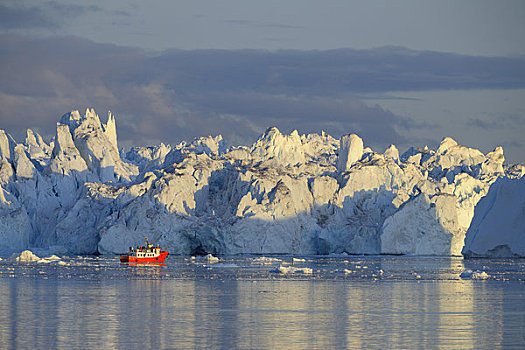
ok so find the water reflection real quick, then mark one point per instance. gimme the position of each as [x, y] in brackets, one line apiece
[145, 307]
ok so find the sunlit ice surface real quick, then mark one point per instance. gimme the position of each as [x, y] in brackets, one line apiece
[264, 302]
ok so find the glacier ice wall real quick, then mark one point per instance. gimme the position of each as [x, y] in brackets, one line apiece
[286, 194]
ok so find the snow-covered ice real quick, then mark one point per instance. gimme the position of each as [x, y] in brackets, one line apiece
[285, 194]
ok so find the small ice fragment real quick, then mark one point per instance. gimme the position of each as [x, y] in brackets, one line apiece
[305, 270]
[266, 261]
[280, 269]
[348, 271]
[476, 275]
[296, 260]
[52, 258]
[25, 256]
[480, 275]
[49, 259]
[290, 269]
[211, 259]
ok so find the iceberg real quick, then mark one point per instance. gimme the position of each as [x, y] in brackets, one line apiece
[498, 226]
[285, 194]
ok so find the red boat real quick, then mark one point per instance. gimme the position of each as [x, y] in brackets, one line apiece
[145, 254]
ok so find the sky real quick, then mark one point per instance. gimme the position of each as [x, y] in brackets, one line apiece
[395, 72]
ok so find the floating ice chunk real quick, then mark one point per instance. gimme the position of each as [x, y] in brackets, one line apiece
[361, 267]
[53, 258]
[290, 269]
[211, 259]
[297, 260]
[475, 275]
[263, 260]
[25, 256]
[50, 259]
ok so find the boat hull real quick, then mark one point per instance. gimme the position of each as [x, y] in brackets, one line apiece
[149, 259]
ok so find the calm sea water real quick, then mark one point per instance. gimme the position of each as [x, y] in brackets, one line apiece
[245, 303]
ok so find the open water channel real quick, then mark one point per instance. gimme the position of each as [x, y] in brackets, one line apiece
[250, 302]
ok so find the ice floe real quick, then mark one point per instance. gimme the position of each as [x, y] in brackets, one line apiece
[476, 275]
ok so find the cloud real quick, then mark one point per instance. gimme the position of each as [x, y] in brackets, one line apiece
[251, 23]
[21, 17]
[345, 70]
[49, 15]
[70, 10]
[177, 95]
[306, 113]
[497, 121]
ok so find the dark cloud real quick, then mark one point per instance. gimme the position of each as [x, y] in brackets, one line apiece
[497, 121]
[485, 124]
[305, 113]
[346, 70]
[46, 15]
[21, 17]
[177, 95]
[70, 10]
